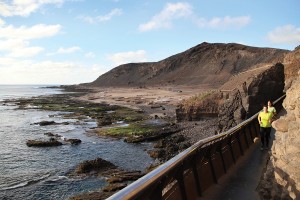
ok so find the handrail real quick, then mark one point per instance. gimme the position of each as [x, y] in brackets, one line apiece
[158, 174]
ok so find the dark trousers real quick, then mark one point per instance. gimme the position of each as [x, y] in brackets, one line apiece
[265, 136]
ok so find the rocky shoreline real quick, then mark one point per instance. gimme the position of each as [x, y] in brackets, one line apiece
[168, 136]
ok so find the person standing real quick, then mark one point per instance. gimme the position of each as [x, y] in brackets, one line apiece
[264, 119]
[271, 109]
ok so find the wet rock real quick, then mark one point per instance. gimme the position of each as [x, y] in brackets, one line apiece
[38, 143]
[73, 141]
[45, 123]
[114, 187]
[124, 176]
[52, 135]
[117, 178]
[104, 121]
[98, 165]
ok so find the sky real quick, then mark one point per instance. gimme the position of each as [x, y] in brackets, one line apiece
[75, 41]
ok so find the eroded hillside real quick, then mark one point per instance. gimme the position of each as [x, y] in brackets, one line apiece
[205, 64]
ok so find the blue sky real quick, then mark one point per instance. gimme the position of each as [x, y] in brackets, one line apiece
[75, 41]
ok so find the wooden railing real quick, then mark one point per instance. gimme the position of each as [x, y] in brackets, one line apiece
[190, 173]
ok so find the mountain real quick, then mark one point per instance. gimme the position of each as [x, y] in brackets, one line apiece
[207, 63]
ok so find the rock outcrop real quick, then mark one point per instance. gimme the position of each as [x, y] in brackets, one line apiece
[282, 177]
[239, 99]
[199, 107]
[39, 143]
[292, 66]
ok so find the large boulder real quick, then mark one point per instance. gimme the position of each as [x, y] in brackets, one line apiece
[98, 165]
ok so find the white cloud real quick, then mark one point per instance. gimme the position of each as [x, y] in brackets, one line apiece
[15, 40]
[101, 18]
[13, 71]
[28, 33]
[164, 19]
[25, 52]
[90, 55]
[18, 48]
[224, 23]
[63, 50]
[128, 57]
[288, 34]
[2, 22]
[24, 7]
[173, 11]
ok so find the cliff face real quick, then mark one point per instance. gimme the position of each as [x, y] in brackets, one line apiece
[246, 98]
[292, 66]
[211, 64]
[283, 172]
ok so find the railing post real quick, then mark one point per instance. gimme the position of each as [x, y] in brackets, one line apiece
[239, 142]
[156, 194]
[256, 127]
[243, 130]
[231, 150]
[180, 181]
[250, 131]
[196, 176]
[222, 158]
[212, 166]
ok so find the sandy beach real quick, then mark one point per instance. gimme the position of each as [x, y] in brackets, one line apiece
[152, 100]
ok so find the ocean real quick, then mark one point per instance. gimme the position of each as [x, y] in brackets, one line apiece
[41, 173]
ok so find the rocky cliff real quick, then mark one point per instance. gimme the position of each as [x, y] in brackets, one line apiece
[241, 97]
[282, 177]
[210, 64]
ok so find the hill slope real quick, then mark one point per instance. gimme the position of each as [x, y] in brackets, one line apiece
[210, 64]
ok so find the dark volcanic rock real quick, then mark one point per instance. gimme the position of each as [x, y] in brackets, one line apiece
[104, 121]
[125, 176]
[114, 187]
[97, 165]
[73, 141]
[231, 112]
[52, 135]
[38, 143]
[168, 147]
[45, 123]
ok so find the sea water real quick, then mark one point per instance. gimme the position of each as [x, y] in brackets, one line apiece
[42, 173]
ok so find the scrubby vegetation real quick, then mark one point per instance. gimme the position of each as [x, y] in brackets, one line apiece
[197, 100]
